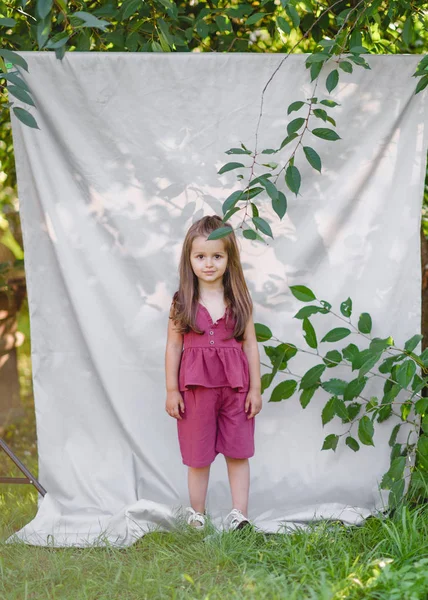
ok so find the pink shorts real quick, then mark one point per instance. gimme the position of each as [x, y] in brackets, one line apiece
[214, 421]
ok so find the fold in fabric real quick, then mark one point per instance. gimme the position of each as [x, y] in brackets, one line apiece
[214, 367]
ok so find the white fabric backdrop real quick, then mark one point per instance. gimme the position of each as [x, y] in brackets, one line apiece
[125, 161]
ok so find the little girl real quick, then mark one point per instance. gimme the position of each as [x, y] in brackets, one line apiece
[213, 383]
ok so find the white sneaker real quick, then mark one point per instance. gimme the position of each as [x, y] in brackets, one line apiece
[236, 520]
[195, 519]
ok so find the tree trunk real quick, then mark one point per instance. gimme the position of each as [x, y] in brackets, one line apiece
[10, 401]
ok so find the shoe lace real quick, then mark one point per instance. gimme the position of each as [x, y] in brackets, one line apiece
[195, 516]
[236, 516]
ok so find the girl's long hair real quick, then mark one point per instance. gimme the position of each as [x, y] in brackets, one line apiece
[237, 296]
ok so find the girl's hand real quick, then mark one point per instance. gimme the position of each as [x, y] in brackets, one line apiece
[174, 402]
[254, 399]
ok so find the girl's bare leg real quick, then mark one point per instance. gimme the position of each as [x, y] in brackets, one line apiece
[238, 470]
[197, 478]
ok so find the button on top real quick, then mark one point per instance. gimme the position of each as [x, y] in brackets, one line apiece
[211, 332]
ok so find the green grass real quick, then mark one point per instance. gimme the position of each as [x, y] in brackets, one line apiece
[386, 558]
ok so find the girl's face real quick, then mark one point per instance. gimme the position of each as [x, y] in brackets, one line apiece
[208, 259]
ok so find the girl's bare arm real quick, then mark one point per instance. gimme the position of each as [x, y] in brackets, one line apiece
[251, 349]
[174, 346]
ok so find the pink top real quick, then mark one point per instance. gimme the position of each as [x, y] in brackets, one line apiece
[211, 361]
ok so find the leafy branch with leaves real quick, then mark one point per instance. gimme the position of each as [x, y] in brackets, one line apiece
[357, 413]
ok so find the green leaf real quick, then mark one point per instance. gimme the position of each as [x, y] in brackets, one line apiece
[129, 7]
[353, 409]
[411, 344]
[372, 360]
[313, 158]
[43, 7]
[394, 434]
[265, 381]
[295, 125]
[260, 179]
[358, 49]
[302, 293]
[332, 80]
[335, 386]
[283, 25]
[292, 178]
[263, 333]
[219, 233]
[262, 225]
[249, 234]
[26, 118]
[14, 77]
[396, 494]
[394, 473]
[279, 205]
[320, 113]
[365, 323]
[270, 188]
[14, 58]
[336, 334]
[58, 40]
[407, 33]
[340, 408]
[254, 18]
[252, 193]
[21, 94]
[366, 431]
[422, 84]
[60, 52]
[330, 442]
[283, 390]
[405, 372]
[346, 307]
[315, 70]
[293, 14]
[359, 60]
[90, 20]
[6, 22]
[288, 139]
[346, 66]
[229, 167]
[231, 201]
[421, 406]
[230, 213]
[317, 57]
[237, 151]
[165, 32]
[306, 395]
[295, 106]
[330, 103]
[326, 134]
[312, 376]
[309, 333]
[352, 443]
[307, 311]
[277, 356]
[354, 388]
[332, 358]
[43, 30]
[423, 451]
[328, 412]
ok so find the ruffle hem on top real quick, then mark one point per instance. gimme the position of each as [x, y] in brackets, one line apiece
[209, 360]
[214, 367]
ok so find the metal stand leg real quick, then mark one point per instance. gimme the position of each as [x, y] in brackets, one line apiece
[28, 476]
